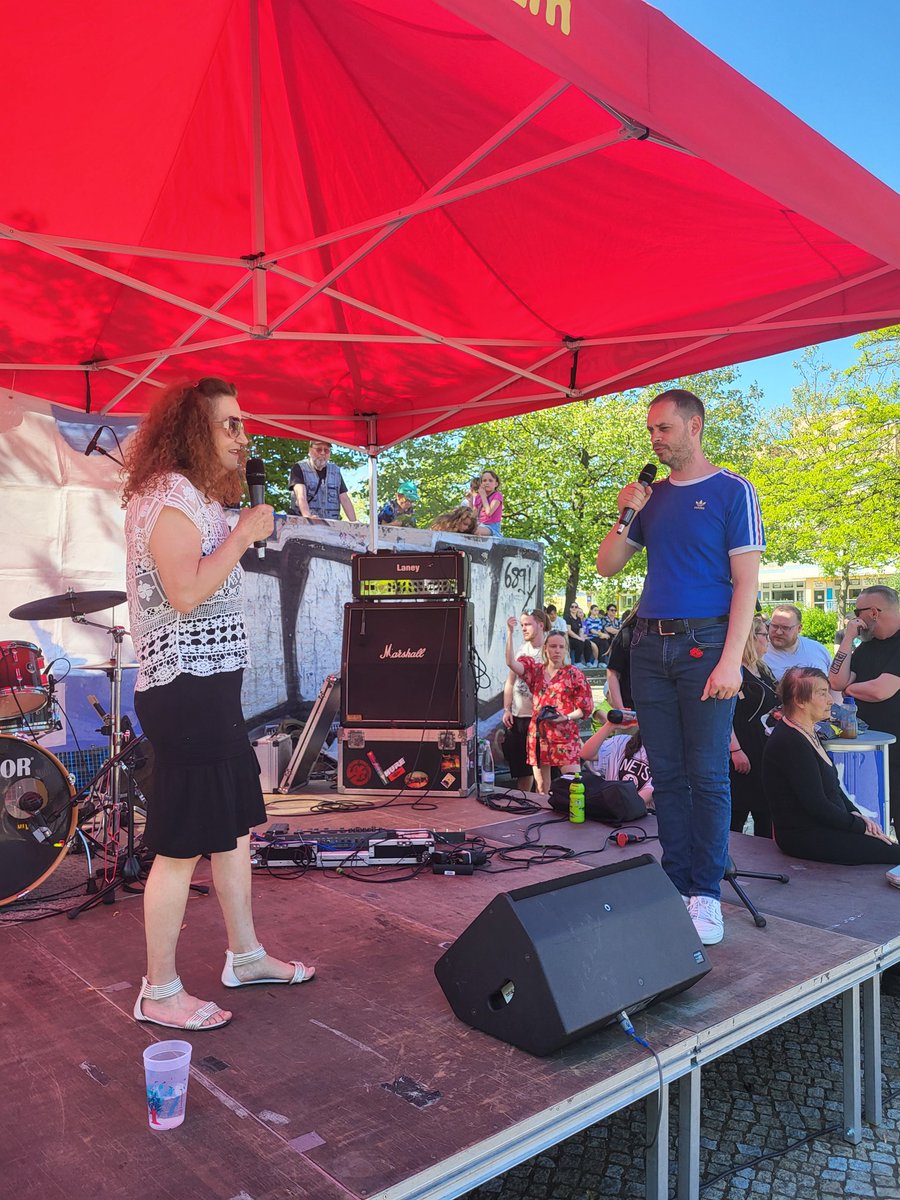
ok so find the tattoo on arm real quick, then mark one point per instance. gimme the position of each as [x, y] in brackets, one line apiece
[837, 662]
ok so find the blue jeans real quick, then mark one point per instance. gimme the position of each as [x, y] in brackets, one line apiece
[687, 746]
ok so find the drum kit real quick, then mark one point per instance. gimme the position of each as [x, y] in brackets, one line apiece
[40, 810]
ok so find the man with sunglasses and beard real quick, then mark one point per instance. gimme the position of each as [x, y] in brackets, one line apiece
[871, 672]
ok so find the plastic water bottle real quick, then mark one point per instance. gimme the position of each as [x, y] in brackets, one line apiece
[487, 769]
[850, 720]
[576, 800]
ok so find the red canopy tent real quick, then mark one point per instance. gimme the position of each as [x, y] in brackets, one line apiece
[384, 218]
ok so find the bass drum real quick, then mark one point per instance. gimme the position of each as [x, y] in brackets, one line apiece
[37, 816]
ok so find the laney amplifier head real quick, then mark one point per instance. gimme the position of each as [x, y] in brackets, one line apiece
[388, 575]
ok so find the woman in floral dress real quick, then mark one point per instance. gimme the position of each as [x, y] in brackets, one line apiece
[552, 681]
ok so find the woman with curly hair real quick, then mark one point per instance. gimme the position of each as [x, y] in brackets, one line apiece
[184, 583]
[462, 519]
[553, 741]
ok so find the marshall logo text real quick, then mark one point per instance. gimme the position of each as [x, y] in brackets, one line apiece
[390, 652]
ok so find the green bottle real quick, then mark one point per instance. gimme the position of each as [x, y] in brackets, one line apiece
[576, 800]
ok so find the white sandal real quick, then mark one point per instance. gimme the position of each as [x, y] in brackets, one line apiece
[230, 979]
[162, 991]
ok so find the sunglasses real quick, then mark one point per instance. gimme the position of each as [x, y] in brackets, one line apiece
[858, 612]
[234, 426]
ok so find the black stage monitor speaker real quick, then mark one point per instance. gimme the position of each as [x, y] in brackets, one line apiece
[545, 965]
[408, 664]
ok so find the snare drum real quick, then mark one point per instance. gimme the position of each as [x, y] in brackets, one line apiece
[23, 685]
[37, 816]
[33, 725]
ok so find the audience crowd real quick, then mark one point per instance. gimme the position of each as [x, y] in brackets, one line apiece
[783, 784]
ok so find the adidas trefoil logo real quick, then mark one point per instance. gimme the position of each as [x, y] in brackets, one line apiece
[699, 505]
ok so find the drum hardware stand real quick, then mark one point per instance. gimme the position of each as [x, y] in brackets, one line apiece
[129, 869]
[116, 732]
[732, 874]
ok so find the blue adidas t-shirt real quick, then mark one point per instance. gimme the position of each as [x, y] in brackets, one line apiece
[691, 529]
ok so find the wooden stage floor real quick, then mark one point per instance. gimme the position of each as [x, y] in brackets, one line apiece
[362, 1083]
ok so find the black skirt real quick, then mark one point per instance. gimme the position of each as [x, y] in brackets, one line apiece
[206, 791]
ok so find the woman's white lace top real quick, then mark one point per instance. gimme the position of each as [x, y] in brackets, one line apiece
[211, 637]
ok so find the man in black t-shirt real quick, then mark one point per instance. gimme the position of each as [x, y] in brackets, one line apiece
[871, 672]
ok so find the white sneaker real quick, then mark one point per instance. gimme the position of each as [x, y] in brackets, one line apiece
[687, 901]
[706, 914]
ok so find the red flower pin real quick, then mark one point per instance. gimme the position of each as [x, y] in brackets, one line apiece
[695, 652]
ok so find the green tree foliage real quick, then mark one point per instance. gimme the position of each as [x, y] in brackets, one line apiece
[820, 626]
[561, 470]
[828, 473]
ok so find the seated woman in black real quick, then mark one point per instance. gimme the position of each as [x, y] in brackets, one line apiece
[812, 817]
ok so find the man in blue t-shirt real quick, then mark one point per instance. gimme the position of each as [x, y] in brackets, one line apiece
[704, 537]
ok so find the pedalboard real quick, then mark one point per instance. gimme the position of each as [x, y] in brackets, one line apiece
[328, 849]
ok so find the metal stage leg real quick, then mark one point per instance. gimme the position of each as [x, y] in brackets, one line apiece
[871, 1015]
[689, 1136]
[656, 1162]
[851, 1064]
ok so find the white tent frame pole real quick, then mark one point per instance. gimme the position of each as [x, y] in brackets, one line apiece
[428, 203]
[477, 401]
[518, 122]
[843, 286]
[178, 347]
[36, 242]
[430, 334]
[445, 198]
[373, 483]
[257, 191]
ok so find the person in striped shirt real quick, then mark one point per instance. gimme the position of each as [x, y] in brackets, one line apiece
[704, 537]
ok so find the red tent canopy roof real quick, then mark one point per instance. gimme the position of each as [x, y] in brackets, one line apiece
[383, 218]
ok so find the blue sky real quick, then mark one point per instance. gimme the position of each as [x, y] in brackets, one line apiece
[832, 63]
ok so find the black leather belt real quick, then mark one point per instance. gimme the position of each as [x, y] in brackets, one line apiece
[667, 626]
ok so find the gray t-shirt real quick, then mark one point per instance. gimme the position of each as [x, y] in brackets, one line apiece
[806, 653]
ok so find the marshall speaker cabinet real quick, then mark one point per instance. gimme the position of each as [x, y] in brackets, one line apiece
[408, 664]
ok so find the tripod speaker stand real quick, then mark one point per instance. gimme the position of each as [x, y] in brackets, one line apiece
[732, 874]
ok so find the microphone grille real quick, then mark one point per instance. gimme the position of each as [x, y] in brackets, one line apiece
[256, 471]
[648, 473]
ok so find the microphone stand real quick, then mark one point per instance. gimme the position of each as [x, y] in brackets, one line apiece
[109, 454]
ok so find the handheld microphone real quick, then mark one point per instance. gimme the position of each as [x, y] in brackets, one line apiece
[256, 485]
[646, 477]
[92, 444]
[621, 716]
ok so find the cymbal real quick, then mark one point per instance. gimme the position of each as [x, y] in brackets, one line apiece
[70, 604]
[106, 665]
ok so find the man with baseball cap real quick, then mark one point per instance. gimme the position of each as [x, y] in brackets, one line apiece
[317, 486]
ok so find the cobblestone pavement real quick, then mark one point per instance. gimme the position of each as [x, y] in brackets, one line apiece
[757, 1101]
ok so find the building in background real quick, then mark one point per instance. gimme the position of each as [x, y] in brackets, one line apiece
[806, 585]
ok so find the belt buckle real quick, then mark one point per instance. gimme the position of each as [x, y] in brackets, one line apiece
[664, 632]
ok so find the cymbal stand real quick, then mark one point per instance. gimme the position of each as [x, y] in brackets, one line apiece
[116, 733]
[130, 873]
